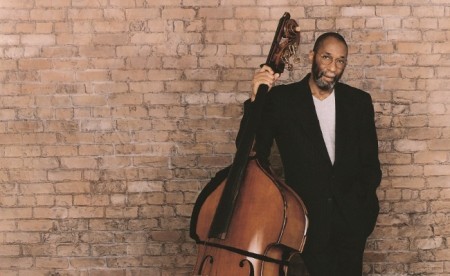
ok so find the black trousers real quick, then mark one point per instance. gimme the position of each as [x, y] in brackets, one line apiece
[342, 255]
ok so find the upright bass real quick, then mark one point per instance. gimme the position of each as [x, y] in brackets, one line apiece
[246, 221]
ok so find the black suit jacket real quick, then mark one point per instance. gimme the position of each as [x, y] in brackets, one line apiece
[289, 118]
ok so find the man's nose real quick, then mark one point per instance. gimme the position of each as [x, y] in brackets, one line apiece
[332, 66]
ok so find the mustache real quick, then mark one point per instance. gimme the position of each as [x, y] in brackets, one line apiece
[322, 73]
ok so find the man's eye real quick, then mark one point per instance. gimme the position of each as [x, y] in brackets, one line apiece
[326, 57]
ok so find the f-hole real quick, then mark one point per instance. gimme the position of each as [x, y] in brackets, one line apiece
[211, 260]
[252, 270]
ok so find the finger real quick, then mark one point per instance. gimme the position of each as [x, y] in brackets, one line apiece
[265, 78]
[266, 68]
[297, 29]
[276, 76]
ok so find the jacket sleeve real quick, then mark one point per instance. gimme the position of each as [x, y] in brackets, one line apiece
[370, 173]
[265, 130]
[244, 120]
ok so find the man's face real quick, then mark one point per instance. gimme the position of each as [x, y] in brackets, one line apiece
[328, 63]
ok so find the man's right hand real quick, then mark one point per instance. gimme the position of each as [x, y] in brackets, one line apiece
[265, 75]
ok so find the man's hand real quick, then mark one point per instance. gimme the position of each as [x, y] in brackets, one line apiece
[265, 75]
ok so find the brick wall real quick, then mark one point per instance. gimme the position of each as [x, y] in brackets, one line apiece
[115, 113]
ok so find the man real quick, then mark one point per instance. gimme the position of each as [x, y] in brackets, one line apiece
[326, 136]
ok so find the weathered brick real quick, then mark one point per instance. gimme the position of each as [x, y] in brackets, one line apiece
[120, 212]
[142, 14]
[88, 262]
[64, 175]
[25, 27]
[430, 157]
[436, 169]
[178, 13]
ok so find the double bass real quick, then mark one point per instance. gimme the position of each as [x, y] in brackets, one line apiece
[246, 221]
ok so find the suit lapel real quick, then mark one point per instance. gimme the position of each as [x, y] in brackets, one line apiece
[342, 122]
[308, 117]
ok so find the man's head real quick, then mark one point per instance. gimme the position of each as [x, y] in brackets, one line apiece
[329, 59]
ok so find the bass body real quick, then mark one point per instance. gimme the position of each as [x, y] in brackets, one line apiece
[268, 228]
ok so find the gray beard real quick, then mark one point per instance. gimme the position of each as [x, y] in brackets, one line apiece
[324, 85]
